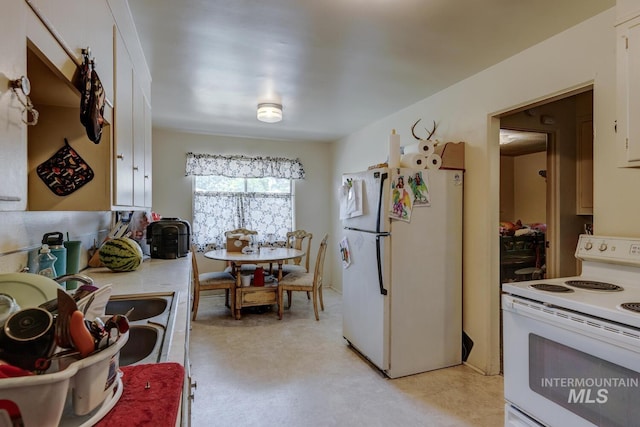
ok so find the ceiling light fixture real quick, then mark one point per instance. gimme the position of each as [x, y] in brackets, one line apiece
[269, 112]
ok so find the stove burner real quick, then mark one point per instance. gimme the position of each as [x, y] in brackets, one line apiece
[631, 306]
[551, 288]
[594, 286]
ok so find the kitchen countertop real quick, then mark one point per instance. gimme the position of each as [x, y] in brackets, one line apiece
[153, 276]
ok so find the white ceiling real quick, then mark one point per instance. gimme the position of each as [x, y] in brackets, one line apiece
[335, 65]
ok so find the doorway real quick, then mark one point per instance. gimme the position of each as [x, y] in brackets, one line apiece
[546, 187]
[523, 204]
[568, 181]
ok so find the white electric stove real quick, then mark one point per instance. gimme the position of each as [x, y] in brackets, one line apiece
[572, 345]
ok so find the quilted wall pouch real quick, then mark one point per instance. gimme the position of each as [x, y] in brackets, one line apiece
[65, 171]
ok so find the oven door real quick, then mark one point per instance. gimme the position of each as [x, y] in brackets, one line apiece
[567, 369]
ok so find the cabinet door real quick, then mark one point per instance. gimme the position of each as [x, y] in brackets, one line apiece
[628, 75]
[13, 135]
[633, 91]
[147, 155]
[97, 37]
[123, 147]
[91, 31]
[139, 129]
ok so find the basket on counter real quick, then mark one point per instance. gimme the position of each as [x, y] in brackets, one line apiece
[82, 386]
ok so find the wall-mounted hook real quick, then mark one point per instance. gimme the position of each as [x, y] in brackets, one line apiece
[25, 87]
[22, 83]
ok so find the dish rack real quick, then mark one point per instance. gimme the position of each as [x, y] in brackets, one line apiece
[81, 385]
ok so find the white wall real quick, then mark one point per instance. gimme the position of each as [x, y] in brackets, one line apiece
[172, 190]
[530, 189]
[522, 190]
[23, 231]
[575, 58]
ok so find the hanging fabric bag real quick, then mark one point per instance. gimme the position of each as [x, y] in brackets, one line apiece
[85, 90]
[92, 100]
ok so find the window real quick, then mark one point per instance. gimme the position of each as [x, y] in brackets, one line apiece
[240, 192]
[221, 204]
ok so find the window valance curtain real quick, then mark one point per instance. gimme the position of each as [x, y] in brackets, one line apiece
[243, 167]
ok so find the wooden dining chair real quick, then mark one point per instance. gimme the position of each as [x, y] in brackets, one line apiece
[298, 239]
[245, 267]
[306, 282]
[209, 282]
[244, 231]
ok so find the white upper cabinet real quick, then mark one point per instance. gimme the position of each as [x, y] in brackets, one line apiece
[45, 41]
[147, 155]
[123, 147]
[628, 81]
[627, 9]
[139, 130]
[13, 136]
[88, 26]
[132, 124]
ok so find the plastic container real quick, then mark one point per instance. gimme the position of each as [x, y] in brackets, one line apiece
[73, 261]
[58, 250]
[46, 263]
[87, 382]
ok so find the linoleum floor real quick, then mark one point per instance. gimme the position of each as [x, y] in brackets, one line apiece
[261, 371]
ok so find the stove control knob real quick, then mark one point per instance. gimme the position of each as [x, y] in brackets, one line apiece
[588, 246]
[603, 247]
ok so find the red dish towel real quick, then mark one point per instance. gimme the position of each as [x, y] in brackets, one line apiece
[154, 405]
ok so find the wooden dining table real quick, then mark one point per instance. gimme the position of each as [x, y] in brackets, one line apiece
[249, 296]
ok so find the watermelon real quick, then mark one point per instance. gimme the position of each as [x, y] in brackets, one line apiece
[121, 254]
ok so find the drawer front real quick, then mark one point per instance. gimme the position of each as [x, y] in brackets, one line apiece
[256, 296]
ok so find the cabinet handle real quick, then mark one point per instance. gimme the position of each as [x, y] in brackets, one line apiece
[120, 156]
[9, 199]
[194, 386]
[135, 168]
[146, 177]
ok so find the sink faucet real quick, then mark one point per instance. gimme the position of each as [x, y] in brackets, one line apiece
[86, 280]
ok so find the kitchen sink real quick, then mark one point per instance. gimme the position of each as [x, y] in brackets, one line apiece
[143, 341]
[150, 321]
[143, 308]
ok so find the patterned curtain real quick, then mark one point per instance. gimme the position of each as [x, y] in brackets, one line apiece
[216, 212]
[243, 167]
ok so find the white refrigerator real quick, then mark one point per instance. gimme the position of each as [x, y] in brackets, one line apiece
[402, 280]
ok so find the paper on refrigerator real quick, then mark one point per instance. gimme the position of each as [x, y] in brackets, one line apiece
[401, 201]
[419, 184]
[344, 253]
[351, 199]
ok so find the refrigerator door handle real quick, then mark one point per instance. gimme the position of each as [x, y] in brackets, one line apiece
[384, 176]
[380, 198]
[383, 291]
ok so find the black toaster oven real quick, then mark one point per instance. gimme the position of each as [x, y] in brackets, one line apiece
[168, 238]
